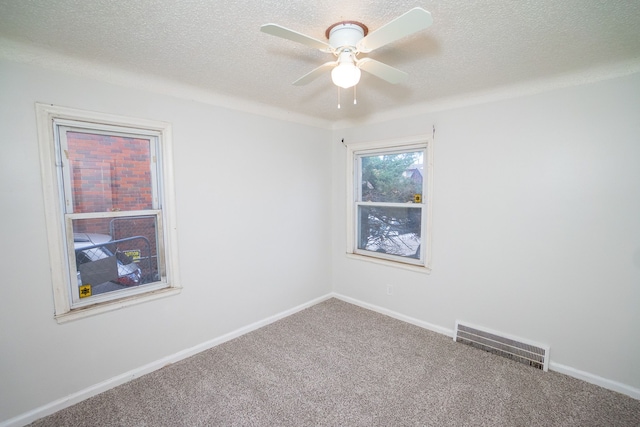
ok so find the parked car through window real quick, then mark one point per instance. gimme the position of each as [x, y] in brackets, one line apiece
[94, 256]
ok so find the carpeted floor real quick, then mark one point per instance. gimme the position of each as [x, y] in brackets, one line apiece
[336, 364]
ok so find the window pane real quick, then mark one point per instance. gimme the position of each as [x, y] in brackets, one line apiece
[109, 173]
[390, 230]
[391, 178]
[113, 254]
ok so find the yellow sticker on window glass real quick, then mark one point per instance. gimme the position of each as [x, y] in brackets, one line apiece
[85, 291]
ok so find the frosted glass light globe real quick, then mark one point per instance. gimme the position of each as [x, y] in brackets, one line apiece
[346, 75]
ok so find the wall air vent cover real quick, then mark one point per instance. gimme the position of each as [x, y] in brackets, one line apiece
[517, 349]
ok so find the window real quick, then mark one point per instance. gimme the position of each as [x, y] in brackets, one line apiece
[109, 205]
[390, 202]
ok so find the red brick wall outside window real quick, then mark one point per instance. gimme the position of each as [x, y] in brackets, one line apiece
[110, 173]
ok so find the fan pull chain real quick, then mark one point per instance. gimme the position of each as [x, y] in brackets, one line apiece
[355, 100]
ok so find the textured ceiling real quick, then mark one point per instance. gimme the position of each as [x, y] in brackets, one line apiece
[217, 47]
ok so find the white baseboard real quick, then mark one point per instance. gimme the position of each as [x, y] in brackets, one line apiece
[72, 399]
[430, 326]
[595, 379]
[563, 369]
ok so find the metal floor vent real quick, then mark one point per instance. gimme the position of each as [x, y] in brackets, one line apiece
[513, 348]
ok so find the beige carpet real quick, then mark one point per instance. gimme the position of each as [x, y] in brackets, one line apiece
[336, 364]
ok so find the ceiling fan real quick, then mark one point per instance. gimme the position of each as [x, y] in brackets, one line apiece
[348, 39]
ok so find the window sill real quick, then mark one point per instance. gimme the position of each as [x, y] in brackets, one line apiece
[104, 307]
[415, 268]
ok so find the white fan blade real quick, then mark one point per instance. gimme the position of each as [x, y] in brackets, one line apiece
[285, 33]
[383, 71]
[415, 20]
[314, 74]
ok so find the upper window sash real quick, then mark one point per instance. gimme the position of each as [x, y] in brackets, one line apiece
[381, 152]
[63, 127]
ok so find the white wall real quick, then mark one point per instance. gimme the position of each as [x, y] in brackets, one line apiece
[252, 214]
[536, 225]
[536, 230]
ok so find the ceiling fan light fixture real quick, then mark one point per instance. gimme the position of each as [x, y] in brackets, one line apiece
[345, 75]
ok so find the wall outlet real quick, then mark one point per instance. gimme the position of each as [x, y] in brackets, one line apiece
[389, 289]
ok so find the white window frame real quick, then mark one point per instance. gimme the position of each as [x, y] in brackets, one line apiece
[420, 142]
[49, 117]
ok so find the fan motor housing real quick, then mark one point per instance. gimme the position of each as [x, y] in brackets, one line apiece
[346, 33]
